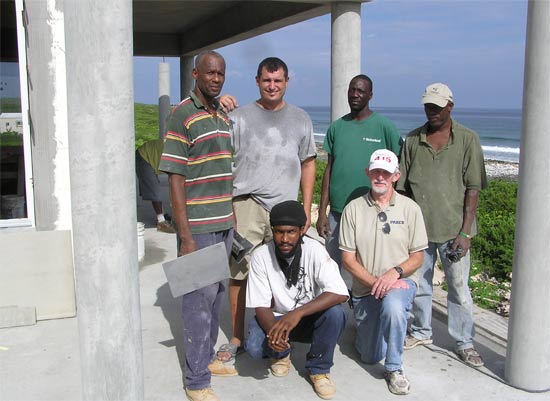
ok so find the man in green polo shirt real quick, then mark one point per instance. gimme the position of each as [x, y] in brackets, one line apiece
[443, 170]
[382, 237]
[349, 143]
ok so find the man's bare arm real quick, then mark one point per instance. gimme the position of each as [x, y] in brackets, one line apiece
[179, 207]
[323, 228]
[307, 183]
[471, 199]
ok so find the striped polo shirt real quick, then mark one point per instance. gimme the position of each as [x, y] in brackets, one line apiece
[198, 146]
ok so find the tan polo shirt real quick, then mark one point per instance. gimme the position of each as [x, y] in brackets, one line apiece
[361, 232]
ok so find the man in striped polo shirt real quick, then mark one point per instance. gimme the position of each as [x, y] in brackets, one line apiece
[197, 157]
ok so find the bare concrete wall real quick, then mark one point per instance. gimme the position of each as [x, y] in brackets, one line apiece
[37, 271]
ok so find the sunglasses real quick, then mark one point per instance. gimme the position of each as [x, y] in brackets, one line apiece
[383, 218]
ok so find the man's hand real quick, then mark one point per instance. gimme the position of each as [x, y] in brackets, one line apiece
[323, 228]
[187, 246]
[385, 283]
[278, 336]
[462, 242]
[228, 103]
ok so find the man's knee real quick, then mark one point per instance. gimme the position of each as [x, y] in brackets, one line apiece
[393, 308]
[254, 343]
[335, 315]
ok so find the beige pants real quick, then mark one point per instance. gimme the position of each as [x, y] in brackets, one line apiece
[252, 224]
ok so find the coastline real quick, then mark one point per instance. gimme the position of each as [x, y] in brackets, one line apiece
[496, 169]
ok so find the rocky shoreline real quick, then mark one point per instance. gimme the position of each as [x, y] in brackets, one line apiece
[502, 170]
[496, 169]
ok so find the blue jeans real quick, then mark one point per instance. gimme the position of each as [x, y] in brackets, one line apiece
[331, 241]
[459, 299]
[200, 313]
[321, 329]
[382, 326]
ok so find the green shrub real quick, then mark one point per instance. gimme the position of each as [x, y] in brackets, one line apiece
[146, 120]
[486, 293]
[493, 247]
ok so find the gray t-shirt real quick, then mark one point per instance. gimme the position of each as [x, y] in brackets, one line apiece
[269, 149]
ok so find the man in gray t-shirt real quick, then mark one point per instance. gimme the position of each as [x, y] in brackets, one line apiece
[274, 154]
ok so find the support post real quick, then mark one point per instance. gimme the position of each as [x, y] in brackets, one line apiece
[186, 79]
[100, 103]
[345, 58]
[164, 96]
[528, 352]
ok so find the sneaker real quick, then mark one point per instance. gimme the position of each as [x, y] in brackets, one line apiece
[203, 394]
[397, 382]
[218, 368]
[470, 357]
[323, 386]
[411, 342]
[280, 367]
[165, 227]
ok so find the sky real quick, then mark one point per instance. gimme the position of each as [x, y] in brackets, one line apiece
[476, 47]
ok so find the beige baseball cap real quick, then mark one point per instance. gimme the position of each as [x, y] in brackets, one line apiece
[384, 159]
[438, 94]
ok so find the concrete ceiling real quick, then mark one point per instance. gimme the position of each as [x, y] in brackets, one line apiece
[185, 27]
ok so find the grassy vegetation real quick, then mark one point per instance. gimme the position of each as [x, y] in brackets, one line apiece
[10, 105]
[146, 117]
[11, 138]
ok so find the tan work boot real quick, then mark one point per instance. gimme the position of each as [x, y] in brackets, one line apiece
[165, 227]
[323, 386]
[280, 367]
[218, 368]
[203, 394]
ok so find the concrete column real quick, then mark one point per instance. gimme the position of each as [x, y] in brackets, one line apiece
[100, 102]
[186, 80]
[164, 96]
[528, 352]
[345, 58]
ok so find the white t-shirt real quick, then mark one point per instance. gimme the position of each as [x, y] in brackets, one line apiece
[267, 282]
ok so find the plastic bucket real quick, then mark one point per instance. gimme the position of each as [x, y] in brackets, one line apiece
[13, 207]
[141, 240]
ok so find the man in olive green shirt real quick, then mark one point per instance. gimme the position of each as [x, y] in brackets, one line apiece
[443, 170]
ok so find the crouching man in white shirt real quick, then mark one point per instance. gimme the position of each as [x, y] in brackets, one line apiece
[297, 292]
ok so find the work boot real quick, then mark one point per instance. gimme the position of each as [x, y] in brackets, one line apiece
[280, 367]
[203, 394]
[323, 386]
[218, 368]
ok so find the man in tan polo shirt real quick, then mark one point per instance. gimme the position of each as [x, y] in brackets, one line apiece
[382, 238]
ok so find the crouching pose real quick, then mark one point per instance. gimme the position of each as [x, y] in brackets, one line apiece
[297, 292]
[382, 236]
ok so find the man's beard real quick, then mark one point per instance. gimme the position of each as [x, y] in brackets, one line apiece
[290, 270]
[379, 191]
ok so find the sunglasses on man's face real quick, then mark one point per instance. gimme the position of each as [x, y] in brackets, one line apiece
[383, 218]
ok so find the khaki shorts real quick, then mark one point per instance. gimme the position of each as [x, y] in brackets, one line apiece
[253, 224]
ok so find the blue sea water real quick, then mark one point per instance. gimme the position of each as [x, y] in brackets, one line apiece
[498, 129]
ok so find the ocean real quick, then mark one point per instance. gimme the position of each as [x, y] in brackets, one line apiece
[498, 129]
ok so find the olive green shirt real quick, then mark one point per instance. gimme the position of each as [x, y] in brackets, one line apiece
[379, 250]
[438, 181]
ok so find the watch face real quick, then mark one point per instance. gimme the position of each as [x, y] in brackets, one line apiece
[399, 270]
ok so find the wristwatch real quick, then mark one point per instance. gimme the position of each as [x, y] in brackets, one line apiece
[399, 270]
